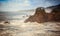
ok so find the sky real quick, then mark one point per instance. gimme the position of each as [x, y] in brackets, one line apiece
[16, 5]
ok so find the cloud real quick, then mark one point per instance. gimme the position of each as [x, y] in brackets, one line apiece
[15, 5]
[26, 3]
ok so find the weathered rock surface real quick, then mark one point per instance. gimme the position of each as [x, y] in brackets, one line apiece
[41, 16]
[56, 10]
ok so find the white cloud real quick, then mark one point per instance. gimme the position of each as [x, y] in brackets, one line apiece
[15, 5]
[26, 2]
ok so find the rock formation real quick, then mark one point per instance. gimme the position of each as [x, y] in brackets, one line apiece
[56, 10]
[41, 16]
[55, 13]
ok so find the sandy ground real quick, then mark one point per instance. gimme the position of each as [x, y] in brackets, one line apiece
[31, 29]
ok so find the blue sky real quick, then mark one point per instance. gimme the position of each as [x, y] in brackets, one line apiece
[15, 5]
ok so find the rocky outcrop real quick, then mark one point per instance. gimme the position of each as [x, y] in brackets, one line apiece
[55, 13]
[56, 10]
[41, 16]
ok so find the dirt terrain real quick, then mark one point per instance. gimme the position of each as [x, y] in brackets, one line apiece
[30, 29]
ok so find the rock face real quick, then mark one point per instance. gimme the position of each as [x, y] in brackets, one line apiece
[57, 13]
[41, 16]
